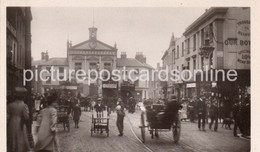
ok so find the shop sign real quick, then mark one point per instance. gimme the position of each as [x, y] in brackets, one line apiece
[110, 86]
[243, 28]
[191, 85]
[243, 57]
[71, 87]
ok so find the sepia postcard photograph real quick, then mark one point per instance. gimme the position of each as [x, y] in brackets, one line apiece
[127, 79]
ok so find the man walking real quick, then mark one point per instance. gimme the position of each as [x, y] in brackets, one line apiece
[202, 110]
[120, 117]
[213, 114]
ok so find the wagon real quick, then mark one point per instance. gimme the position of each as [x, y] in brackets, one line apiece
[152, 119]
[100, 123]
[63, 116]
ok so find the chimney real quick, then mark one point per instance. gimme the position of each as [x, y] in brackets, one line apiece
[123, 55]
[140, 57]
[42, 56]
[45, 56]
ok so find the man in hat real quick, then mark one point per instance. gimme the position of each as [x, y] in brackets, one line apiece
[17, 114]
[99, 107]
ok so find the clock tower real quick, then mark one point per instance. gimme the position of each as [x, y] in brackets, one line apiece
[92, 33]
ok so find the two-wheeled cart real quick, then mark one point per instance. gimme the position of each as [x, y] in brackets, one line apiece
[150, 119]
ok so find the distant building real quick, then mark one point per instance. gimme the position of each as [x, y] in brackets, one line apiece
[138, 89]
[61, 64]
[91, 54]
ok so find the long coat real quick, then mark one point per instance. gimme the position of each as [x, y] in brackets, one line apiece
[76, 113]
[17, 113]
[47, 121]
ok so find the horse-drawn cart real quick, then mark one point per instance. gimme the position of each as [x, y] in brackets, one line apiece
[156, 119]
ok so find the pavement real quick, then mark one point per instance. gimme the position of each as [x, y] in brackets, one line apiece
[191, 140]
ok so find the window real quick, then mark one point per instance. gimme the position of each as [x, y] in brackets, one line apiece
[194, 42]
[136, 83]
[202, 63]
[202, 37]
[61, 69]
[93, 65]
[78, 66]
[49, 80]
[177, 51]
[137, 71]
[182, 49]
[188, 49]
[188, 65]
[107, 66]
[48, 69]
[194, 63]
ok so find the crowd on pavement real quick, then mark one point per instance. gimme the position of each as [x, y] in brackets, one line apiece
[202, 110]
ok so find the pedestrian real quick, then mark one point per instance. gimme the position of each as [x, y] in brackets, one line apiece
[76, 112]
[213, 114]
[237, 117]
[120, 117]
[99, 107]
[47, 121]
[202, 111]
[17, 114]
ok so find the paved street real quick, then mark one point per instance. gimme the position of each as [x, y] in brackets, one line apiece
[79, 140]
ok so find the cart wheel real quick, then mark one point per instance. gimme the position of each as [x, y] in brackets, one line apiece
[176, 131]
[142, 128]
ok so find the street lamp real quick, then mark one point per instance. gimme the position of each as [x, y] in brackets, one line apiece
[206, 50]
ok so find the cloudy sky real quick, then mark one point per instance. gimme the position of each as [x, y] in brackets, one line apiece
[146, 30]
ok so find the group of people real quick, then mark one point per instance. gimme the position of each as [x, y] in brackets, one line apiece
[18, 114]
[236, 111]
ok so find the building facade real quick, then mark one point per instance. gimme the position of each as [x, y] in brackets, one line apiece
[218, 40]
[60, 76]
[91, 54]
[139, 89]
[18, 45]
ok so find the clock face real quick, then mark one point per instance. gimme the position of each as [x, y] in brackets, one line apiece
[92, 44]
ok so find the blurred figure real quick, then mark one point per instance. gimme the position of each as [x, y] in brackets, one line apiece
[132, 104]
[47, 121]
[99, 107]
[76, 113]
[191, 111]
[213, 114]
[202, 111]
[17, 114]
[120, 116]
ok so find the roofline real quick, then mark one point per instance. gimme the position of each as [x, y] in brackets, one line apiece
[73, 47]
[208, 14]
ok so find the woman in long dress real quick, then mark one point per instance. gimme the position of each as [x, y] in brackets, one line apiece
[47, 120]
[17, 114]
[76, 112]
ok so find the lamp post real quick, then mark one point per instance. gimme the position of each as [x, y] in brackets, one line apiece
[206, 51]
[99, 84]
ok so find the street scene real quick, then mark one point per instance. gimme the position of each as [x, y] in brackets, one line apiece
[128, 79]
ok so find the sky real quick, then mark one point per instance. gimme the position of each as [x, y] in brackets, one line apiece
[133, 29]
